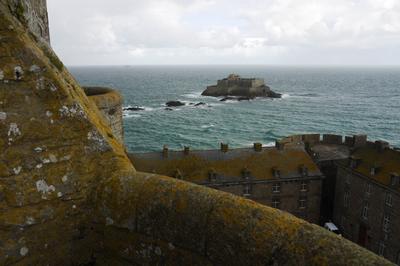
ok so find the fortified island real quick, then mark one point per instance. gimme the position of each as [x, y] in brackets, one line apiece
[234, 85]
[70, 195]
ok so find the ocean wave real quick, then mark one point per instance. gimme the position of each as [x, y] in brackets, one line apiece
[193, 95]
[285, 95]
[130, 115]
[207, 126]
[306, 95]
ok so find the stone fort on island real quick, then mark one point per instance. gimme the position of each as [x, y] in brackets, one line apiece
[70, 195]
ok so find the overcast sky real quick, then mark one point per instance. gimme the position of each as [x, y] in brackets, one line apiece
[132, 32]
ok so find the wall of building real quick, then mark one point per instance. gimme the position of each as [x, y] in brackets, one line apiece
[351, 219]
[289, 195]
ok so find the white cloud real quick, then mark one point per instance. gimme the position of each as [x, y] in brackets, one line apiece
[206, 31]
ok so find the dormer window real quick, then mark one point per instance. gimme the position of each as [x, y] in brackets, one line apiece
[276, 172]
[354, 162]
[212, 176]
[245, 173]
[374, 170]
[394, 180]
[303, 170]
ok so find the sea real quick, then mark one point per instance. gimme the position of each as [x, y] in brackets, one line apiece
[337, 100]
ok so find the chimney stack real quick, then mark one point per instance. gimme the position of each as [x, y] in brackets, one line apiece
[224, 147]
[257, 146]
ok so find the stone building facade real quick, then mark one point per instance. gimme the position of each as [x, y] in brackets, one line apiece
[368, 199]
[283, 178]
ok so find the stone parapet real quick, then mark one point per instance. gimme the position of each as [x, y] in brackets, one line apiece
[109, 102]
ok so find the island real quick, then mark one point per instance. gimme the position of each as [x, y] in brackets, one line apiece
[234, 85]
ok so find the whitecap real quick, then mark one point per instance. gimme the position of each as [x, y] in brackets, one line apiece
[130, 115]
[207, 126]
[285, 95]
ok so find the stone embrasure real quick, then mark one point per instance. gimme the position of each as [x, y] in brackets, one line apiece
[109, 102]
[70, 196]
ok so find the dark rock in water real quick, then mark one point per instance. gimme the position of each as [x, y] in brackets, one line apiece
[174, 103]
[200, 103]
[135, 108]
[168, 109]
[244, 99]
[234, 85]
[227, 98]
[273, 94]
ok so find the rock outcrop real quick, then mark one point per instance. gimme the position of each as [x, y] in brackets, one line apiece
[234, 85]
[174, 103]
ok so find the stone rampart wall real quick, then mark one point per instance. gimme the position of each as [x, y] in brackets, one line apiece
[109, 102]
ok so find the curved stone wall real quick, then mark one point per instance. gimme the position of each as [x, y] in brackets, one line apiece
[109, 102]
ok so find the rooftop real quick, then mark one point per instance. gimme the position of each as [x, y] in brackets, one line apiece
[197, 165]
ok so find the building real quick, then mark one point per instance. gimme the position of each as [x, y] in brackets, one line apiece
[367, 199]
[320, 178]
[284, 178]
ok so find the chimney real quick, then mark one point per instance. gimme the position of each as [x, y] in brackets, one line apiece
[359, 140]
[257, 146]
[224, 147]
[349, 141]
[165, 151]
[279, 145]
[186, 150]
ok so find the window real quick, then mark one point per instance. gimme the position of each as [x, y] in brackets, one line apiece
[386, 223]
[246, 190]
[343, 222]
[276, 187]
[389, 199]
[346, 199]
[398, 258]
[348, 179]
[212, 176]
[365, 209]
[381, 250]
[302, 203]
[368, 189]
[303, 186]
[276, 203]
